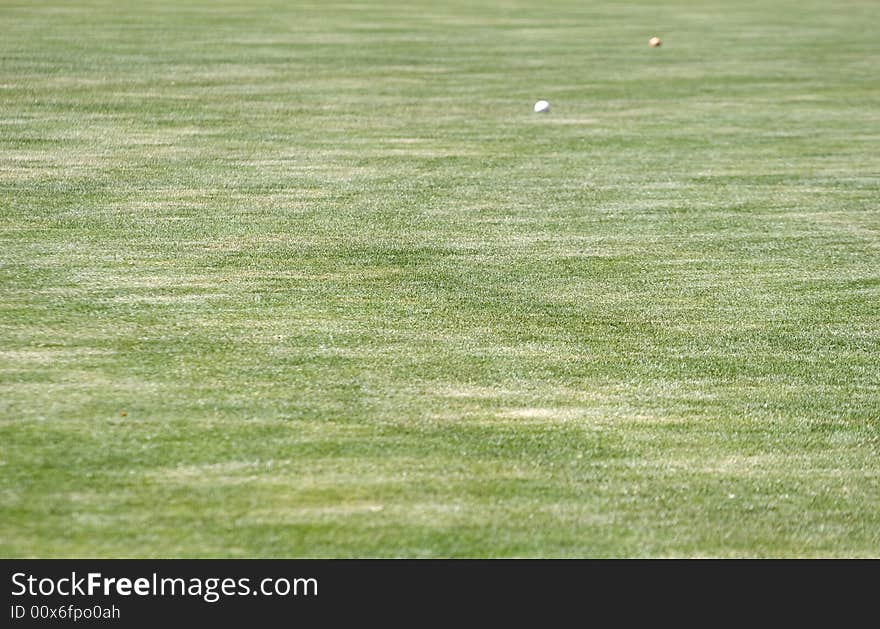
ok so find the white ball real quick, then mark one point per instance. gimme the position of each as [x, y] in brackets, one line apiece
[542, 106]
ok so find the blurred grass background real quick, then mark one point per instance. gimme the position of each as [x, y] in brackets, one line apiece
[281, 279]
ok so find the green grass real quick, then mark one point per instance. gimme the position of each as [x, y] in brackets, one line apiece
[355, 299]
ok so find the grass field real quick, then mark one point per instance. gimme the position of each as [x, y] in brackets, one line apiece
[308, 280]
